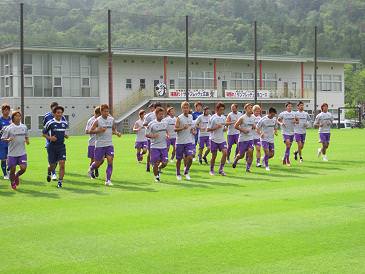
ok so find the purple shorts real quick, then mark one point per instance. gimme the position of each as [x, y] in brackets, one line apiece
[171, 142]
[203, 141]
[142, 145]
[299, 137]
[257, 142]
[90, 152]
[244, 146]
[159, 155]
[214, 147]
[232, 139]
[288, 137]
[267, 145]
[183, 150]
[17, 161]
[102, 152]
[325, 137]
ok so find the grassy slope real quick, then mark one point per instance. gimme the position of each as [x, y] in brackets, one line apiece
[304, 219]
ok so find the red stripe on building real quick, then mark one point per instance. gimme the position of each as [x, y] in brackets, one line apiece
[165, 70]
[261, 82]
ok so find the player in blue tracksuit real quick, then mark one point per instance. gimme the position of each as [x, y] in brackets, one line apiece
[5, 120]
[55, 132]
[47, 117]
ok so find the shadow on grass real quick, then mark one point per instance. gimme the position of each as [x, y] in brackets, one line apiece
[38, 194]
[125, 185]
[186, 184]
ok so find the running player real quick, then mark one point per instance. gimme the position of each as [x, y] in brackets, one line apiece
[185, 148]
[232, 133]
[104, 128]
[198, 106]
[5, 120]
[266, 128]
[245, 126]
[47, 117]
[157, 132]
[256, 137]
[170, 119]
[141, 140]
[217, 127]
[324, 121]
[55, 132]
[202, 126]
[302, 121]
[91, 146]
[148, 119]
[287, 121]
[16, 135]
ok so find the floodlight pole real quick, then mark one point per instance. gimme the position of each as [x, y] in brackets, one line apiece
[22, 60]
[315, 73]
[187, 58]
[110, 64]
[255, 59]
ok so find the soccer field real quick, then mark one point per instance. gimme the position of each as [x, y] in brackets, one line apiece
[309, 218]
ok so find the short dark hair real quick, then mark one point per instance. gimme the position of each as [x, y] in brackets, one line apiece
[324, 104]
[219, 105]
[5, 106]
[15, 113]
[198, 104]
[272, 110]
[247, 105]
[169, 109]
[159, 109]
[157, 104]
[300, 103]
[54, 110]
[142, 111]
[288, 103]
[97, 110]
[53, 104]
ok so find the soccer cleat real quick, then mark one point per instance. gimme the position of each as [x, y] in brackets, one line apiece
[48, 177]
[301, 160]
[157, 179]
[91, 174]
[13, 185]
[325, 158]
[16, 180]
[54, 177]
[178, 177]
[6, 177]
[248, 171]
[96, 172]
[108, 183]
[258, 164]
[295, 155]
[200, 161]
[187, 176]
[319, 152]
[211, 173]
[148, 169]
[222, 173]
[267, 168]
[59, 185]
[205, 160]
[288, 164]
[234, 165]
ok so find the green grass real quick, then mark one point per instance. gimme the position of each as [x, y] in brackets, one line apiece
[309, 218]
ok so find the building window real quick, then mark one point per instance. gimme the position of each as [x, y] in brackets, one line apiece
[197, 80]
[242, 81]
[40, 122]
[28, 122]
[270, 81]
[128, 83]
[325, 82]
[142, 83]
[172, 84]
[308, 82]
[337, 83]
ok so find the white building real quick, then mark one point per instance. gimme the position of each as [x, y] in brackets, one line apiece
[78, 80]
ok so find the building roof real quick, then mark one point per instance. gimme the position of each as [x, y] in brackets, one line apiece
[181, 54]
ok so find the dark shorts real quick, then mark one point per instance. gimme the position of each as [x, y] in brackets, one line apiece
[102, 152]
[232, 139]
[214, 147]
[299, 137]
[142, 145]
[17, 161]
[56, 153]
[267, 145]
[325, 137]
[244, 146]
[148, 144]
[90, 152]
[288, 137]
[159, 155]
[3, 152]
[171, 142]
[184, 150]
[204, 141]
[257, 142]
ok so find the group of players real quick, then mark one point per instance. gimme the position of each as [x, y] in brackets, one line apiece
[156, 134]
[160, 130]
